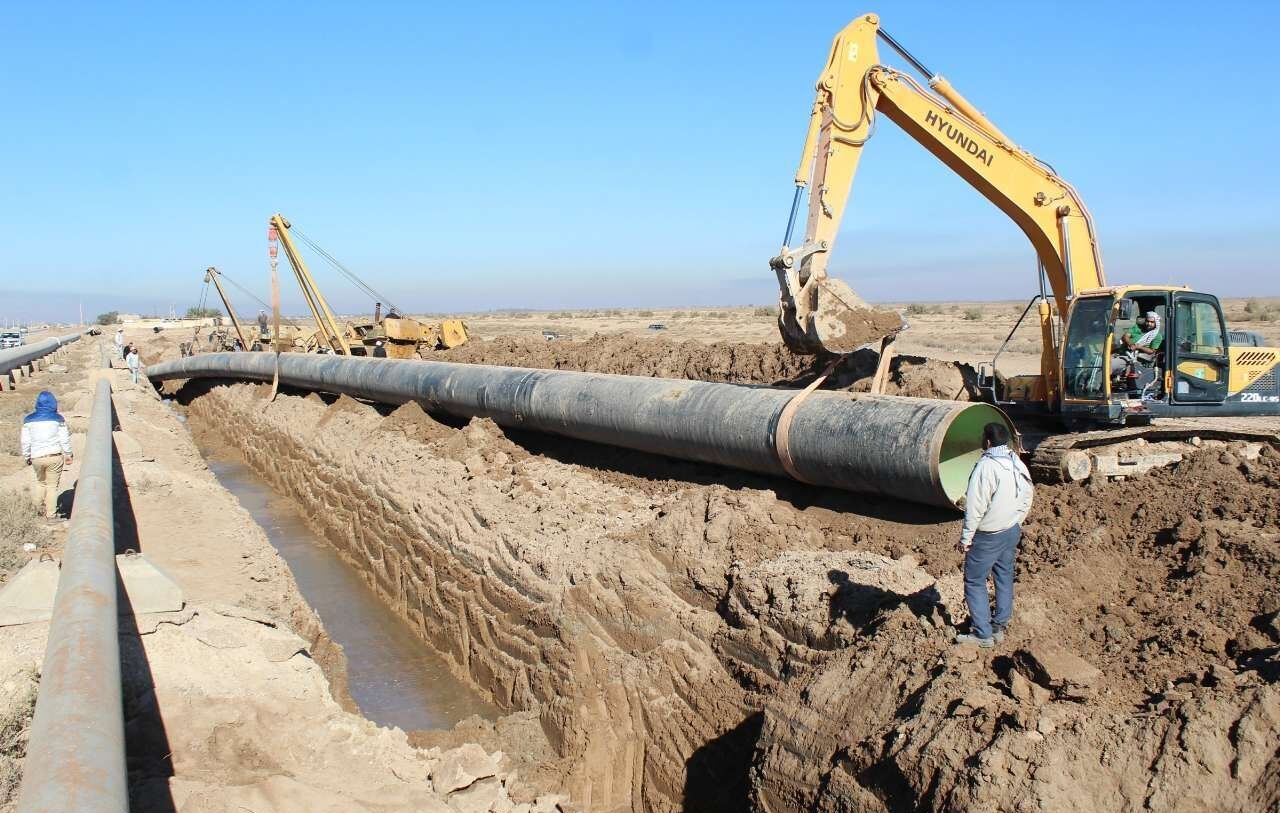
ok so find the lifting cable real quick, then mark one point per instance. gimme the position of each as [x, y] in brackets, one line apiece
[346, 272]
[249, 294]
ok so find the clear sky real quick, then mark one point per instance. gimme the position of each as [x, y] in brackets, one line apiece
[466, 156]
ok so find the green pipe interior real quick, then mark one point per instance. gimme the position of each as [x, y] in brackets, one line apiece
[962, 446]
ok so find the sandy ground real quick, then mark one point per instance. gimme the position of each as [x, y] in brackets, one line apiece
[228, 704]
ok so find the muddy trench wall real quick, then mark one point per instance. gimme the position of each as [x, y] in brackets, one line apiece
[689, 645]
[497, 559]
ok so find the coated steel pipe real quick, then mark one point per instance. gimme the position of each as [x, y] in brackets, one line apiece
[75, 757]
[910, 448]
[16, 357]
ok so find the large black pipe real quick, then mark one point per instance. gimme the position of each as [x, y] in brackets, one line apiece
[910, 448]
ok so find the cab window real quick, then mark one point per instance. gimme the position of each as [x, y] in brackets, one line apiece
[1084, 363]
[1199, 328]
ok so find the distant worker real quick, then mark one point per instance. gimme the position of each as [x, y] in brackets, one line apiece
[996, 503]
[262, 323]
[46, 446]
[379, 351]
[1143, 339]
[120, 343]
[133, 362]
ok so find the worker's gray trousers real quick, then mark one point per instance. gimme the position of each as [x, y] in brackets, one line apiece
[991, 554]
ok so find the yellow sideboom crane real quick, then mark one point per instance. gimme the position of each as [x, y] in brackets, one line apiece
[212, 275]
[401, 336]
[1088, 375]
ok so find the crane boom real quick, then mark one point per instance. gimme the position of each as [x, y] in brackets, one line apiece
[326, 322]
[212, 275]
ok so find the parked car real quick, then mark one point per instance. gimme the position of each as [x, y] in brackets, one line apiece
[657, 326]
[11, 338]
[550, 335]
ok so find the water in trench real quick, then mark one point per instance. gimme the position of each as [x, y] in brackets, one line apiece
[395, 678]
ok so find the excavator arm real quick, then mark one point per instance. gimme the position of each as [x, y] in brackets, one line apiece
[852, 90]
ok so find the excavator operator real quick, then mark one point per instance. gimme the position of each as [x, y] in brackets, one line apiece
[1143, 339]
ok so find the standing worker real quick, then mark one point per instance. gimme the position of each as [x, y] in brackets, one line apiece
[46, 446]
[996, 503]
[134, 363]
[120, 343]
[262, 323]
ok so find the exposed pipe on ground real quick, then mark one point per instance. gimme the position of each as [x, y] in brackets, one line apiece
[910, 448]
[15, 357]
[75, 756]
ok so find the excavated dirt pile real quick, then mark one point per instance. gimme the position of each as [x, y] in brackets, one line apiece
[693, 638]
[1140, 673]
[737, 363]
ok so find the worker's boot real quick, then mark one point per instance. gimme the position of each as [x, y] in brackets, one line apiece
[981, 643]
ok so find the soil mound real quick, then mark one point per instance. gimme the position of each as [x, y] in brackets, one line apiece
[771, 364]
[1143, 645]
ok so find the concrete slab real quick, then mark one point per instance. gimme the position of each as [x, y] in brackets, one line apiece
[127, 447]
[28, 597]
[149, 589]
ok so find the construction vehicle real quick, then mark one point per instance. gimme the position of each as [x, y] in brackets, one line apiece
[1205, 382]
[221, 340]
[394, 334]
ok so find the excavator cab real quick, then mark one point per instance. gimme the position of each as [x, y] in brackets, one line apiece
[1186, 371]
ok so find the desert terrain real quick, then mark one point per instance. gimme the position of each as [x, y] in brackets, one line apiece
[659, 635]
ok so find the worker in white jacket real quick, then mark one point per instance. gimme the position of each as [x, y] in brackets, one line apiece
[46, 446]
[996, 503]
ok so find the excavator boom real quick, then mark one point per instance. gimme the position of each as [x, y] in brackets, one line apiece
[853, 89]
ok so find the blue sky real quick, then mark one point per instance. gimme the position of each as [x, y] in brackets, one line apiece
[468, 156]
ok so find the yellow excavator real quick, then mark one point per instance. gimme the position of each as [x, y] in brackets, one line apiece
[1126, 408]
[393, 335]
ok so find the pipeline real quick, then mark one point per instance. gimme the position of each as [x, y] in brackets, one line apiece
[913, 449]
[75, 756]
[16, 357]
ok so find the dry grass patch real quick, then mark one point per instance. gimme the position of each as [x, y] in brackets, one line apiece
[19, 524]
[17, 706]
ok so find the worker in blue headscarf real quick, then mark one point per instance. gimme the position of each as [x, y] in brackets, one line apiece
[46, 446]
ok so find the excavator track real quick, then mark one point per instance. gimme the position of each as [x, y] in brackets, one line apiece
[1132, 450]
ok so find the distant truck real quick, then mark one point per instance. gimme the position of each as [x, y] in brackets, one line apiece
[657, 326]
[11, 338]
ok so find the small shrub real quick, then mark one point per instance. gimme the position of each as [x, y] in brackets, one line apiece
[1261, 311]
[679, 315]
[644, 314]
[108, 318]
[195, 312]
[717, 315]
[972, 314]
[19, 524]
[770, 312]
[17, 707]
[917, 309]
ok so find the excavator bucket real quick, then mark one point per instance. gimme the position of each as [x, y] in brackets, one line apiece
[836, 320]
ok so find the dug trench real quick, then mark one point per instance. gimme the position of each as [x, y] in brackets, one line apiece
[667, 636]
